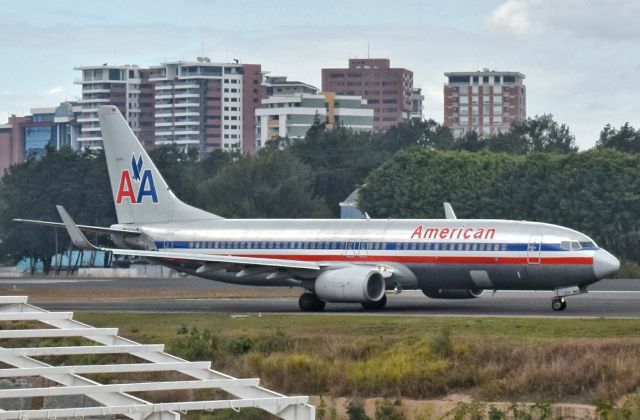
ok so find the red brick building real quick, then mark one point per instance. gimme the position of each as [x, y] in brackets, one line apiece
[487, 102]
[12, 142]
[388, 91]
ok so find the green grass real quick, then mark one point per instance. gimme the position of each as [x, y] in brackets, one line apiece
[164, 325]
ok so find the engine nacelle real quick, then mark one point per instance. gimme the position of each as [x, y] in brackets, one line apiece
[350, 284]
[453, 293]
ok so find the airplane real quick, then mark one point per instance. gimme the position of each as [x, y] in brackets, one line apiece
[334, 260]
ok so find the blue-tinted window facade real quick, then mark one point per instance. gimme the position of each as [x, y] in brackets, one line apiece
[36, 138]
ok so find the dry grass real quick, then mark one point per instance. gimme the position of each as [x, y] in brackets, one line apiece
[368, 356]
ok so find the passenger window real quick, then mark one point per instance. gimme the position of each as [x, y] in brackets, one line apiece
[467, 247]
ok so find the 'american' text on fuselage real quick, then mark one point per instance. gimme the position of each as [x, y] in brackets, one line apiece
[424, 232]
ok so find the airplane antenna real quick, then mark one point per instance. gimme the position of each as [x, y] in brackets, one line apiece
[448, 211]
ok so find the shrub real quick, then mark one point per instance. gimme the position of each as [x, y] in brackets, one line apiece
[389, 410]
[355, 411]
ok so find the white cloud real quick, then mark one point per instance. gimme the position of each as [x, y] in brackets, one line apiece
[56, 90]
[596, 20]
[513, 15]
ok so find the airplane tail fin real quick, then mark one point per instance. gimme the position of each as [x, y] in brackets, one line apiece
[140, 193]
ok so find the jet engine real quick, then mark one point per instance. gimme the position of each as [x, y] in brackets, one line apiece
[453, 293]
[350, 284]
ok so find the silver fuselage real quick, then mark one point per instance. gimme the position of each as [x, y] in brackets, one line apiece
[422, 253]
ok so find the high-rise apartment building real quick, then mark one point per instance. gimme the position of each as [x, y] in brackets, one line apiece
[487, 102]
[207, 105]
[417, 99]
[388, 91]
[126, 87]
[292, 115]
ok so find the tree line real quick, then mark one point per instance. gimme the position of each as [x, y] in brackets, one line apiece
[532, 172]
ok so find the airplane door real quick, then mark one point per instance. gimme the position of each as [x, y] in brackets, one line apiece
[364, 249]
[168, 242]
[357, 249]
[350, 249]
[533, 249]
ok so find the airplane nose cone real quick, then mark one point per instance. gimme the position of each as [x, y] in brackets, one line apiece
[604, 264]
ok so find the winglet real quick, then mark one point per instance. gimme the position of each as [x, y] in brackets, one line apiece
[448, 211]
[77, 237]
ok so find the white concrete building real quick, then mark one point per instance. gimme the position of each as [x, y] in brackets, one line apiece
[206, 105]
[121, 86]
[291, 116]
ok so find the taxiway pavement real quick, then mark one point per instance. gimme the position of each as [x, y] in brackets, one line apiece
[608, 298]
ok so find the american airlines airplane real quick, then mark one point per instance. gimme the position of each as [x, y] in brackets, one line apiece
[343, 261]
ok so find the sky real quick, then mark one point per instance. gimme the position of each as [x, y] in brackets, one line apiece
[579, 57]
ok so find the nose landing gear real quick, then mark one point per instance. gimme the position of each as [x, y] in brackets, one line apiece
[559, 304]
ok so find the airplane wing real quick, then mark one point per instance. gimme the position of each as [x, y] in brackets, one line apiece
[96, 229]
[80, 241]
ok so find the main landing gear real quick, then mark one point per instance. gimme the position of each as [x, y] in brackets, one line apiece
[559, 304]
[309, 302]
[374, 306]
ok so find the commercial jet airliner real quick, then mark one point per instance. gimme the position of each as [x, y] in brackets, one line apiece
[341, 261]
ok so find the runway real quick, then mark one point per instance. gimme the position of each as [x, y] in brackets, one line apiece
[609, 298]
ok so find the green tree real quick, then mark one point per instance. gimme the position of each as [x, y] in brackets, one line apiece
[427, 134]
[31, 190]
[471, 142]
[538, 134]
[339, 159]
[626, 139]
[415, 183]
[272, 184]
[543, 134]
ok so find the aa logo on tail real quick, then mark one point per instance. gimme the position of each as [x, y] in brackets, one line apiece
[136, 184]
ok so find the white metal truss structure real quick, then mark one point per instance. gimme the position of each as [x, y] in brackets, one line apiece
[114, 399]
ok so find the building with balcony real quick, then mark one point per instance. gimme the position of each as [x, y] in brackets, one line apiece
[126, 87]
[206, 105]
[388, 91]
[292, 115]
[417, 100]
[487, 102]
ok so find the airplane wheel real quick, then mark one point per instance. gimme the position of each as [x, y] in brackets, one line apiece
[558, 304]
[375, 305]
[310, 302]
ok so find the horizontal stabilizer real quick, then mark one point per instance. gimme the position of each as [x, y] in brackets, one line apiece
[77, 237]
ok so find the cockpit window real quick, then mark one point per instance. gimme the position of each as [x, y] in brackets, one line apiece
[577, 245]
